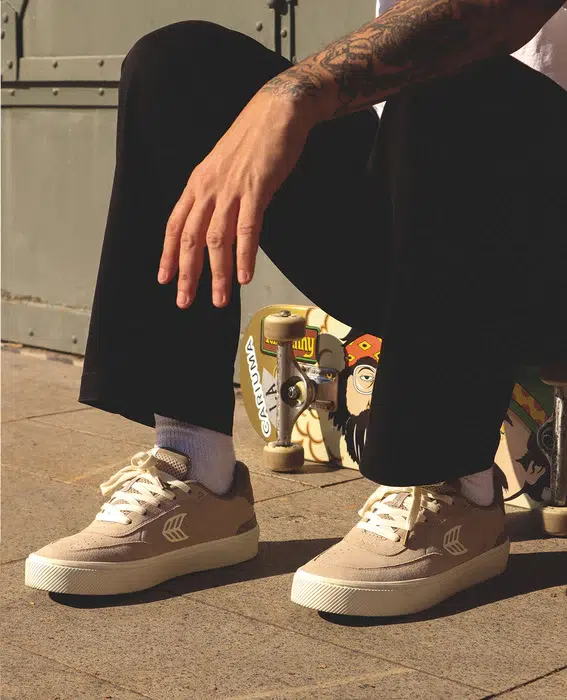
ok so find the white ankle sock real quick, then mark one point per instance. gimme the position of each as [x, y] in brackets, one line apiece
[479, 487]
[211, 453]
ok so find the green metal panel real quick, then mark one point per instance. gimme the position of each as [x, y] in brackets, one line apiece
[8, 33]
[110, 27]
[58, 142]
[70, 68]
[57, 172]
[60, 95]
[58, 146]
[318, 22]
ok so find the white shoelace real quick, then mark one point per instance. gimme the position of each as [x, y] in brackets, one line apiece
[149, 485]
[382, 518]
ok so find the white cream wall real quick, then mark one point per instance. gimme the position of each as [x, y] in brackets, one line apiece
[547, 51]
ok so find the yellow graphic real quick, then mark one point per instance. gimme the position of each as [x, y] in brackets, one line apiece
[306, 346]
[321, 442]
[529, 404]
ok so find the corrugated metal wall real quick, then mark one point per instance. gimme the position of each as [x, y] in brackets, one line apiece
[60, 68]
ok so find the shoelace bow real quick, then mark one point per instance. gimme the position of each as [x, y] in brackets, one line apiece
[141, 491]
[382, 518]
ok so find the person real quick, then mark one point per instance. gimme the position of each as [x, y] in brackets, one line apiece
[412, 228]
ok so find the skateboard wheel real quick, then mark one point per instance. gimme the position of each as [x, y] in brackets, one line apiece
[554, 520]
[284, 329]
[280, 458]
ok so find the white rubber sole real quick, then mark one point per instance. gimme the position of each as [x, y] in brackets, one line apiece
[386, 599]
[111, 578]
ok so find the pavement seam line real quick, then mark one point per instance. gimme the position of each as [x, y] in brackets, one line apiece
[42, 415]
[291, 691]
[525, 684]
[81, 671]
[345, 481]
[13, 561]
[6, 465]
[282, 495]
[305, 483]
[280, 477]
[326, 641]
[37, 419]
[64, 358]
[76, 482]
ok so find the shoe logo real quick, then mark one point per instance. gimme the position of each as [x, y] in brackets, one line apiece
[172, 529]
[451, 542]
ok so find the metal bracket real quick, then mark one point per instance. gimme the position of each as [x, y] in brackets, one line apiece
[9, 35]
[282, 8]
[292, 53]
[55, 96]
[279, 6]
[296, 393]
[62, 69]
[301, 386]
[326, 381]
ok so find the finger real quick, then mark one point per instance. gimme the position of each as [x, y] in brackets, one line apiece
[248, 228]
[220, 238]
[170, 254]
[191, 251]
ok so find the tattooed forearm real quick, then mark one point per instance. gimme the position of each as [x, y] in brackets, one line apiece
[414, 41]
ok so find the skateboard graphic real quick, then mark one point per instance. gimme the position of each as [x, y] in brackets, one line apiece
[307, 380]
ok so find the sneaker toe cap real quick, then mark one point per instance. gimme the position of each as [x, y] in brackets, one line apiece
[338, 562]
[347, 563]
[78, 548]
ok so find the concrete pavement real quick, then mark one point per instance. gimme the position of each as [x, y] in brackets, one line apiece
[234, 634]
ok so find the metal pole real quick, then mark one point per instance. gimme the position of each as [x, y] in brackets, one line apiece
[284, 418]
[558, 475]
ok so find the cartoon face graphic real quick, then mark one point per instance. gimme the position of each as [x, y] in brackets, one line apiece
[359, 388]
[525, 468]
[356, 383]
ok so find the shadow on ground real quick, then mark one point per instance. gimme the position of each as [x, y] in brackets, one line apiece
[523, 525]
[526, 573]
[274, 558]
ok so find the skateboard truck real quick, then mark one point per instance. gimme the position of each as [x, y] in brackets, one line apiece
[299, 387]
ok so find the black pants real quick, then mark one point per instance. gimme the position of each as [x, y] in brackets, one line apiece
[442, 231]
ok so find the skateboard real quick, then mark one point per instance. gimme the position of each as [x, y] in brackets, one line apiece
[307, 380]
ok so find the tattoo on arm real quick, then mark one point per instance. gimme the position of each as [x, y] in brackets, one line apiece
[414, 41]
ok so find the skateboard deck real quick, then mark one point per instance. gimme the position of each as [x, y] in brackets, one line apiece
[337, 436]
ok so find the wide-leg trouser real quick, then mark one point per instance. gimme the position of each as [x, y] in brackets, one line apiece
[442, 230]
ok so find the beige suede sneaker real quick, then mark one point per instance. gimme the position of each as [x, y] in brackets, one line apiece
[414, 547]
[156, 525]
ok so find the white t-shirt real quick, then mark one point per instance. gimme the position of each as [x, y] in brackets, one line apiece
[546, 52]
